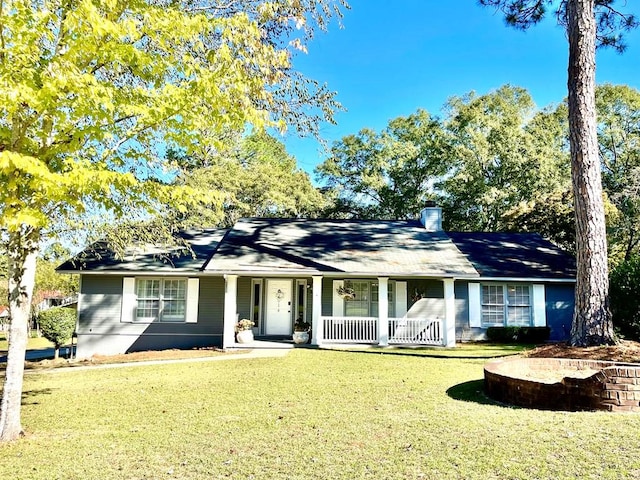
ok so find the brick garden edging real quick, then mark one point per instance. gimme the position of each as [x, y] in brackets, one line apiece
[615, 387]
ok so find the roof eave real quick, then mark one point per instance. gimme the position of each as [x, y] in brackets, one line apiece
[528, 279]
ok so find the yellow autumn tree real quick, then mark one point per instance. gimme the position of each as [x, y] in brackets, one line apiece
[93, 92]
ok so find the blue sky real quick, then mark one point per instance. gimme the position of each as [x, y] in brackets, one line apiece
[392, 58]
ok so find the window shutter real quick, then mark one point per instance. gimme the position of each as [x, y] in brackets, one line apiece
[129, 300]
[401, 299]
[475, 307]
[193, 287]
[539, 306]
[338, 301]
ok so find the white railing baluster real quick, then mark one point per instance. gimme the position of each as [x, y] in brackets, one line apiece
[410, 331]
[350, 329]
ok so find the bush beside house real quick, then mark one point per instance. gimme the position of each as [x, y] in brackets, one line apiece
[518, 334]
[57, 325]
[625, 298]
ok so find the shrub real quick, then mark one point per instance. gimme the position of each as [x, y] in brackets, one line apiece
[57, 325]
[624, 293]
[518, 334]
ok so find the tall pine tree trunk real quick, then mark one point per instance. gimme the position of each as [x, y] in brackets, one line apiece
[592, 323]
[22, 251]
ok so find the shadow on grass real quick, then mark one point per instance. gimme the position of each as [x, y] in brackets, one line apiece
[472, 391]
[421, 353]
[29, 395]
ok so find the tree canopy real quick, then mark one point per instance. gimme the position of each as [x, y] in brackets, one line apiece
[506, 155]
[256, 178]
[619, 146]
[499, 164]
[95, 92]
[386, 174]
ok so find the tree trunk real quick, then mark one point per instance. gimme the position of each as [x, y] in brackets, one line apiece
[22, 251]
[592, 324]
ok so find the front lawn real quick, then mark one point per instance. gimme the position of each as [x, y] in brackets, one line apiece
[33, 343]
[312, 414]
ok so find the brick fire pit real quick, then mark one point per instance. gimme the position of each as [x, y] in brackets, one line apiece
[564, 384]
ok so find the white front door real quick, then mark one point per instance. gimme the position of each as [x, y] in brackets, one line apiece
[278, 308]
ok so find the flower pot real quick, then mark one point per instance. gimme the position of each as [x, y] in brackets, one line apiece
[300, 337]
[244, 336]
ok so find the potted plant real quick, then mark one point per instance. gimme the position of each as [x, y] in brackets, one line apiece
[301, 331]
[244, 332]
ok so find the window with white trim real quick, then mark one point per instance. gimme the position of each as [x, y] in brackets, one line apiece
[506, 305]
[161, 300]
[365, 301]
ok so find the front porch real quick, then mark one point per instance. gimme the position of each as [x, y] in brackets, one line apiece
[394, 324]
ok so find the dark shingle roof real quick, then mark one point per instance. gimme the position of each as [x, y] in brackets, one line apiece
[354, 247]
[521, 255]
[350, 246]
[99, 258]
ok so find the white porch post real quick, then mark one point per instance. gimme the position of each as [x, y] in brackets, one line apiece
[449, 313]
[317, 330]
[230, 310]
[383, 311]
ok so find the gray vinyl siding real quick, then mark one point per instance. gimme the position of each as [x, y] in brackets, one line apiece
[211, 304]
[244, 297]
[207, 331]
[431, 293]
[461, 292]
[464, 333]
[327, 297]
[559, 302]
[101, 301]
[99, 318]
[425, 288]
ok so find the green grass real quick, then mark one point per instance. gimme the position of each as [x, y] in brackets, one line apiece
[34, 343]
[312, 414]
[461, 350]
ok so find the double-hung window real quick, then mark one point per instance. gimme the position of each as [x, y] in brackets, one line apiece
[161, 300]
[365, 301]
[509, 305]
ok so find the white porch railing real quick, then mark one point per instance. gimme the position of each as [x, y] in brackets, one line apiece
[350, 329]
[416, 331]
[408, 331]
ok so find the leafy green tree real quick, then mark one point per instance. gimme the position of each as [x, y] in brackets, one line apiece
[508, 158]
[94, 92]
[257, 178]
[388, 174]
[618, 109]
[57, 325]
[625, 298]
[587, 23]
[47, 279]
[547, 207]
